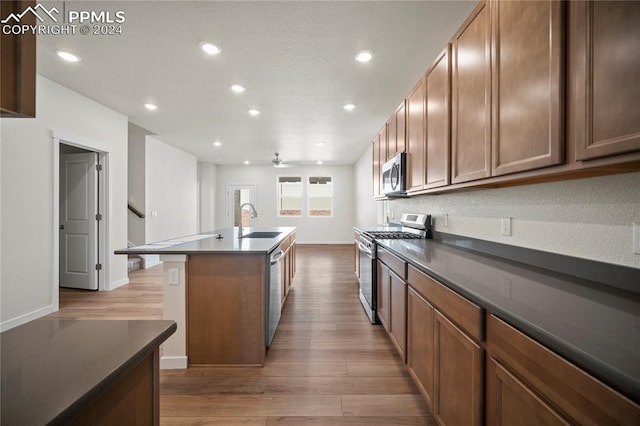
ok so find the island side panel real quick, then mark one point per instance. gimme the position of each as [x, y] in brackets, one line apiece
[225, 309]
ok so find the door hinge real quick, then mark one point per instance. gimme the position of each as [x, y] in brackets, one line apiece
[98, 216]
[98, 266]
[98, 167]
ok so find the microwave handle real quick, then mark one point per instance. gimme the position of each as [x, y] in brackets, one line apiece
[395, 171]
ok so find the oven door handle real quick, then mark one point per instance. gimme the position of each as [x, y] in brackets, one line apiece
[364, 249]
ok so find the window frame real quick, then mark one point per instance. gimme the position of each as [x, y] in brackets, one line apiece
[280, 196]
[309, 196]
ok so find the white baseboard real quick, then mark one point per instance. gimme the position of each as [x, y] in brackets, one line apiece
[119, 283]
[173, 362]
[25, 318]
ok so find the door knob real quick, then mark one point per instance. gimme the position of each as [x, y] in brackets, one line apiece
[61, 227]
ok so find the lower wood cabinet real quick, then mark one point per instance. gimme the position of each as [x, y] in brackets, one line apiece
[527, 384]
[511, 402]
[459, 374]
[421, 344]
[392, 299]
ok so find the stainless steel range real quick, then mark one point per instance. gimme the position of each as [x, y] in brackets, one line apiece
[413, 226]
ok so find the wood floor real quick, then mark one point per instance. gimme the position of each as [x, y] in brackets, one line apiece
[327, 365]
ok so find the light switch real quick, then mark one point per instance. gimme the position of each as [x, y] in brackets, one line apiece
[636, 238]
[505, 226]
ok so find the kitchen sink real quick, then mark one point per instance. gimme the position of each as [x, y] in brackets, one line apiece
[263, 234]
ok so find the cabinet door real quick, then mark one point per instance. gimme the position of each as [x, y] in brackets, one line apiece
[384, 296]
[459, 376]
[471, 99]
[398, 314]
[438, 122]
[604, 68]
[511, 402]
[18, 62]
[391, 137]
[416, 137]
[376, 163]
[527, 72]
[420, 344]
[400, 129]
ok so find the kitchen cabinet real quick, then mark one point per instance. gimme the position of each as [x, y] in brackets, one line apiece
[527, 384]
[421, 344]
[416, 156]
[508, 90]
[471, 98]
[395, 133]
[604, 65]
[438, 122]
[379, 157]
[392, 299]
[459, 375]
[445, 350]
[226, 309]
[288, 248]
[18, 62]
[527, 85]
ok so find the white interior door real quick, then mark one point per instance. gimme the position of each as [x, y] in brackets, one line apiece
[79, 221]
[246, 194]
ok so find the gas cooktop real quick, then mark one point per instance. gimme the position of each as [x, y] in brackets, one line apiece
[392, 235]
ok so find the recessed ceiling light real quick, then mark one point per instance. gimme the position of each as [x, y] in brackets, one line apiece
[69, 57]
[254, 112]
[349, 107]
[209, 48]
[319, 162]
[364, 56]
[320, 143]
[247, 162]
[151, 107]
[217, 143]
[237, 88]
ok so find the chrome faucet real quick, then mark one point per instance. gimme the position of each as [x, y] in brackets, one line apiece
[254, 214]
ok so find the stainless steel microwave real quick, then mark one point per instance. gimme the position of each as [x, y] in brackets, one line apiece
[393, 176]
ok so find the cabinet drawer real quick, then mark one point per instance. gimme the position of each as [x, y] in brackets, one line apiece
[578, 395]
[462, 312]
[394, 263]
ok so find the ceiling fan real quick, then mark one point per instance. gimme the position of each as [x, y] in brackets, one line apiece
[279, 162]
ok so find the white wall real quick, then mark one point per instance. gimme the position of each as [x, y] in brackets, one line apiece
[136, 182]
[365, 207]
[170, 190]
[207, 178]
[27, 195]
[322, 230]
[586, 218]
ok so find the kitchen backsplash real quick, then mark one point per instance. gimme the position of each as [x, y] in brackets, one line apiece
[587, 218]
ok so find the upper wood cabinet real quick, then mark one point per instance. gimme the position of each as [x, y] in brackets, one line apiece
[18, 65]
[471, 98]
[527, 85]
[604, 72]
[396, 133]
[416, 154]
[379, 157]
[438, 120]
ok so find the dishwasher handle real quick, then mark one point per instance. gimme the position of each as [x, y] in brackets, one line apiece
[365, 250]
[275, 259]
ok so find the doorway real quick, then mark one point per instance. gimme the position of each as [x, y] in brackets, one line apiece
[237, 195]
[79, 217]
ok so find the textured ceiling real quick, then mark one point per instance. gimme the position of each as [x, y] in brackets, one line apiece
[296, 59]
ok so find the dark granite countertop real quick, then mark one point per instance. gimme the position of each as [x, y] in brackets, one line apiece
[210, 243]
[52, 368]
[590, 324]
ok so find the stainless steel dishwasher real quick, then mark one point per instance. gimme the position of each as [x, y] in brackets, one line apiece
[273, 295]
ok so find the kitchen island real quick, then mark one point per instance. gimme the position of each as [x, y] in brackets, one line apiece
[217, 288]
[82, 372]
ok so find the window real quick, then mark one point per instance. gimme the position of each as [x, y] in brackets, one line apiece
[320, 196]
[290, 196]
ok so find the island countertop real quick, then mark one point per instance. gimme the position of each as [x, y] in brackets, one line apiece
[53, 369]
[215, 242]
